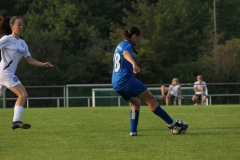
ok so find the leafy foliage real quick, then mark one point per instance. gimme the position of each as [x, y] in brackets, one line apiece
[79, 38]
[224, 62]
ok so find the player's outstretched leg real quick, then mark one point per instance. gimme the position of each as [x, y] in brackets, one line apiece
[163, 114]
[172, 124]
[156, 109]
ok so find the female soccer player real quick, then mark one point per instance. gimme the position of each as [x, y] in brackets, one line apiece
[172, 91]
[130, 88]
[12, 50]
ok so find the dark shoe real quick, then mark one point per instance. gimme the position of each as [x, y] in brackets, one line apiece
[19, 124]
[178, 125]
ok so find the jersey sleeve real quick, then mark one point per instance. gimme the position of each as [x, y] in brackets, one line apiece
[3, 42]
[26, 52]
[128, 48]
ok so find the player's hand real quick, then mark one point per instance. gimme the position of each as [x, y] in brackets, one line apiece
[47, 64]
[136, 69]
[181, 97]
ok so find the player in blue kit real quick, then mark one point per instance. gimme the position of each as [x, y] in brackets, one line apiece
[130, 88]
[13, 48]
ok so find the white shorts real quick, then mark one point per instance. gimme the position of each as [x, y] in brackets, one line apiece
[7, 80]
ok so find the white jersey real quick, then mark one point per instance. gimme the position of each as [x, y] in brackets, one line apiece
[174, 90]
[12, 50]
[197, 85]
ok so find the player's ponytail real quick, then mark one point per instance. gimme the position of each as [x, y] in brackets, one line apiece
[131, 31]
[5, 28]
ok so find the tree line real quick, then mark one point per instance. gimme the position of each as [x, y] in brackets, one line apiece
[79, 38]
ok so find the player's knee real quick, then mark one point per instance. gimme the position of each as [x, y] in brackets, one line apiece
[153, 101]
[136, 105]
[150, 100]
[23, 95]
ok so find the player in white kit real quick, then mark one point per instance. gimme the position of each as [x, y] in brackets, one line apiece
[12, 50]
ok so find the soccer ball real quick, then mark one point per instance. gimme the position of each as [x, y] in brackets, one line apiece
[175, 131]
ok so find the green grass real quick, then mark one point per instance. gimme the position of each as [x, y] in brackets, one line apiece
[103, 133]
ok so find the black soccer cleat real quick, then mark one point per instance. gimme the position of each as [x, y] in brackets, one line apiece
[178, 126]
[19, 124]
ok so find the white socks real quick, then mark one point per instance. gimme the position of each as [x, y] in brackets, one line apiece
[17, 113]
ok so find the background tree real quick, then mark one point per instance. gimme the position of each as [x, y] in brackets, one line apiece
[173, 32]
[224, 63]
[79, 38]
[59, 31]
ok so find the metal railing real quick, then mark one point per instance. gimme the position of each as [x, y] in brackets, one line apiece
[80, 94]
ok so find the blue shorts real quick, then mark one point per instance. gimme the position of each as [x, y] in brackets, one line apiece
[133, 89]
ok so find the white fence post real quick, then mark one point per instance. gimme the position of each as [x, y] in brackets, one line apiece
[119, 101]
[88, 102]
[58, 102]
[64, 96]
[67, 97]
[93, 98]
[4, 99]
[27, 103]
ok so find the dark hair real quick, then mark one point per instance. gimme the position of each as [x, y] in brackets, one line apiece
[131, 31]
[5, 22]
[5, 28]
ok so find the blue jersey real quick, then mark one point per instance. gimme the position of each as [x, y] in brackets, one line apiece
[122, 69]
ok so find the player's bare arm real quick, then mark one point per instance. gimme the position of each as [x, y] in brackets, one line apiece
[180, 93]
[129, 58]
[34, 62]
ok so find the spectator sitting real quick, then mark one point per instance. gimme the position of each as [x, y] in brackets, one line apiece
[199, 88]
[172, 92]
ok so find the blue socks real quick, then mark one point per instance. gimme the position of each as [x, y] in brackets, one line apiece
[163, 114]
[134, 115]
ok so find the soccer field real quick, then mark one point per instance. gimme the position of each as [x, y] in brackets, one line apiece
[102, 133]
